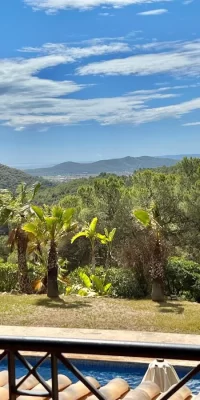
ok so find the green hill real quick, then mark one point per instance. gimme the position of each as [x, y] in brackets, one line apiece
[117, 166]
[10, 178]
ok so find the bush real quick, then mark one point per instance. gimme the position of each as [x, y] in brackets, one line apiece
[8, 277]
[124, 282]
[181, 277]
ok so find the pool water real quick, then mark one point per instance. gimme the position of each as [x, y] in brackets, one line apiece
[103, 371]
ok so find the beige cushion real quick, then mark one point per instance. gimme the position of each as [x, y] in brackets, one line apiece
[3, 378]
[151, 388]
[4, 394]
[137, 394]
[185, 392]
[29, 383]
[63, 382]
[176, 396]
[78, 390]
[114, 389]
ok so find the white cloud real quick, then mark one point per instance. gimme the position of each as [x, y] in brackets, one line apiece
[182, 59]
[159, 11]
[26, 100]
[192, 124]
[72, 54]
[52, 6]
[186, 2]
[106, 14]
[133, 108]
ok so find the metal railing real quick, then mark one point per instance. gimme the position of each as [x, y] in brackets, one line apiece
[56, 349]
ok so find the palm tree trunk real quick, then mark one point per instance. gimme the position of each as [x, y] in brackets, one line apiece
[158, 274]
[23, 279]
[52, 282]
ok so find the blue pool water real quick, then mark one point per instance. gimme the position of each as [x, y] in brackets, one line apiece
[102, 371]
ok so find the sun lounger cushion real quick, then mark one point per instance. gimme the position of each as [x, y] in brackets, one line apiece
[151, 388]
[4, 394]
[63, 382]
[3, 378]
[183, 393]
[114, 389]
[136, 394]
[78, 390]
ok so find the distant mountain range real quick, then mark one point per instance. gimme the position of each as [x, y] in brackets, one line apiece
[117, 166]
[180, 156]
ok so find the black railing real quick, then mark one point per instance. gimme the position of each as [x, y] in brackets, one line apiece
[57, 350]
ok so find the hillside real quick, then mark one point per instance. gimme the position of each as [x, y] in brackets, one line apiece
[117, 166]
[10, 178]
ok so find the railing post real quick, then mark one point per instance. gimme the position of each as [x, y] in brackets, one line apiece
[54, 376]
[11, 375]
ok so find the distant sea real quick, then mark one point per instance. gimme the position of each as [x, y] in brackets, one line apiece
[31, 166]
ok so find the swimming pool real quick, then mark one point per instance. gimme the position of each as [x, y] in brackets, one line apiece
[103, 371]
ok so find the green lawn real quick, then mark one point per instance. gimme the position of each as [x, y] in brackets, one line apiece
[100, 313]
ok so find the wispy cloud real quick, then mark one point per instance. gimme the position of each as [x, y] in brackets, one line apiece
[75, 53]
[191, 124]
[106, 14]
[186, 2]
[52, 6]
[159, 11]
[27, 100]
[182, 58]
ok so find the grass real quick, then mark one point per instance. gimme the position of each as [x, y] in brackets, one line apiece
[100, 313]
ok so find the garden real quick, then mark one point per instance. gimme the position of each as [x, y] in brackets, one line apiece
[100, 252]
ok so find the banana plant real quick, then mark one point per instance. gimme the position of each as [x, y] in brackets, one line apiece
[92, 286]
[107, 239]
[89, 231]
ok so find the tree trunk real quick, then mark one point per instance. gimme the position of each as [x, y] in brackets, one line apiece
[52, 282]
[93, 260]
[157, 293]
[23, 279]
[108, 259]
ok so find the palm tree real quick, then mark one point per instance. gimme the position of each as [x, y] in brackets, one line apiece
[107, 239]
[151, 221]
[89, 231]
[48, 226]
[14, 210]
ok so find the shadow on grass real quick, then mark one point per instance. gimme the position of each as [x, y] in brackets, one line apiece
[60, 303]
[168, 307]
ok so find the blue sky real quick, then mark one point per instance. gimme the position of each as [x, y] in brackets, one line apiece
[91, 79]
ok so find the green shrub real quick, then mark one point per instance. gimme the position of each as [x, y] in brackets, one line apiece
[196, 291]
[125, 284]
[123, 281]
[8, 277]
[181, 277]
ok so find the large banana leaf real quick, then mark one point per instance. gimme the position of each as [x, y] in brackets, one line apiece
[35, 189]
[39, 212]
[98, 284]
[107, 287]
[86, 280]
[112, 234]
[143, 217]
[93, 225]
[78, 235]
